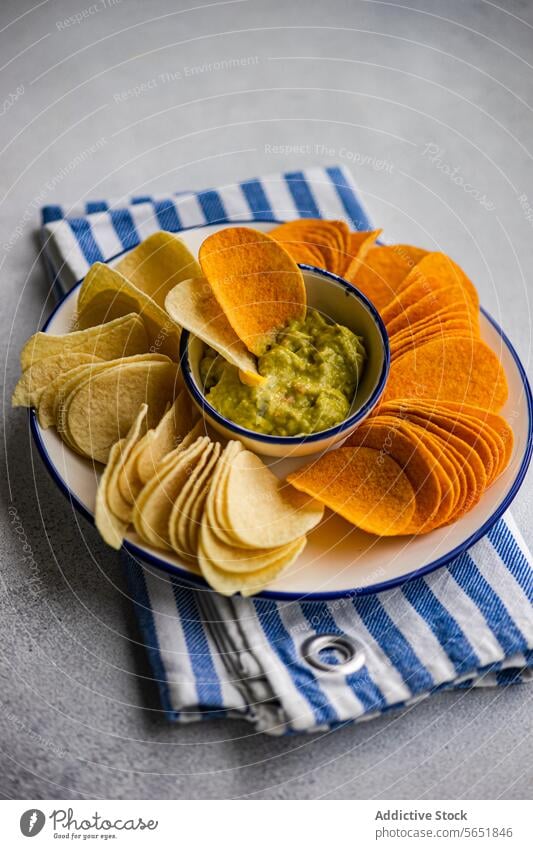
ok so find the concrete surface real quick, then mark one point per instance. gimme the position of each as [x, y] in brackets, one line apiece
[430, 103]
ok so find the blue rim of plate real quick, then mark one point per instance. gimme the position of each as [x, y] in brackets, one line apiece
[199, 583]
[352, 420]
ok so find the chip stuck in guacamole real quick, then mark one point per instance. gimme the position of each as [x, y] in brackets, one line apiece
[312, 372]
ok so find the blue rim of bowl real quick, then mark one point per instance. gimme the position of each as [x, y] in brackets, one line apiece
[199, 583]
[346, 424]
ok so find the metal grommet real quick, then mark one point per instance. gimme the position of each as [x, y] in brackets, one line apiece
[351, 653]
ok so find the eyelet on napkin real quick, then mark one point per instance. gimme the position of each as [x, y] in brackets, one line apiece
[351, 653]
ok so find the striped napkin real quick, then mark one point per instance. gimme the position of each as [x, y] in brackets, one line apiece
[302, 666]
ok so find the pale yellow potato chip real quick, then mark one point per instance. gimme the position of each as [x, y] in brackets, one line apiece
[111, 529]
[154, 505]
[194, 509]
[130, 483]
[59, 389]
[37, 377]
[102, 409]
[181, 515]
[235, 560]
[52, 401]
[213, 504]
[248, 584]
[261, 511]
[193, 305]
[159, 263]
[168, 433]
[106, 294]
[120, 507]
[121, 337]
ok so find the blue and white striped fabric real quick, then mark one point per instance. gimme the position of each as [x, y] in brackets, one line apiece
[468, 624]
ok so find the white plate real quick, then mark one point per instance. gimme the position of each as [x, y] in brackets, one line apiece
[338, 560]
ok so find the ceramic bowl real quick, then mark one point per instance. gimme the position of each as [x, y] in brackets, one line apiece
[340, 302]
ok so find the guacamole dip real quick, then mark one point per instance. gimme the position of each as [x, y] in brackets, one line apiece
[312, 372]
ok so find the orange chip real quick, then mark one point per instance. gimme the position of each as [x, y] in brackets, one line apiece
[417, 304]
[450, 460]
[450, 369]
[328, 240]
[359, 244]
[438, 318]
[410, 254]
[366, 487]
[382, 271]
[492, 425]
[439, 322]
[452, 484]
[470, 442]
[472, 464]
[297, 245]
[454, 329]
[256, 282]
[437, 266]
[424, 308]
[435, 283]
[396, 439]
[465, 430]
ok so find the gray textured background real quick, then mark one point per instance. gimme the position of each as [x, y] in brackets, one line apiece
[370, 84]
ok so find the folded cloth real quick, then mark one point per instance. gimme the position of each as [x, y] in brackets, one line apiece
[302, 666]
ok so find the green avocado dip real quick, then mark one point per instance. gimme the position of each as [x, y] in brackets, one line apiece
[312, 372]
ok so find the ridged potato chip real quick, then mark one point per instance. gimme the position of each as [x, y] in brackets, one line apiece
[194, 490]
[193, 305]
[158, 264]
[260, 510]
[110, 527]
[248, 583]
[121, 508]
[153, 507]
[102, 409]
[121, 337]
[39, 376]
[106, 294]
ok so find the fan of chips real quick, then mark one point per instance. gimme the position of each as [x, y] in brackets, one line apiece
[435, 442]
[202, 501]
[411, 468]
[113, 390]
